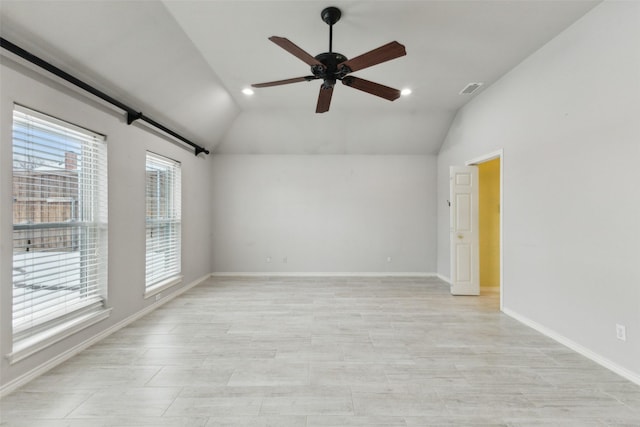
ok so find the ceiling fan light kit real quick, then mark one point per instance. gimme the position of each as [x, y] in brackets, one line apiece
[332, 66]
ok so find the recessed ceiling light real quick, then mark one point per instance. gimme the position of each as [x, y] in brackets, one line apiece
[247, 91]
[405, 92]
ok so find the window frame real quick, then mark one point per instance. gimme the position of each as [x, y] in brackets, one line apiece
[48, 319]
[167, 217]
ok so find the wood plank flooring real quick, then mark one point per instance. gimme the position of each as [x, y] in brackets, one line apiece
[325, 352]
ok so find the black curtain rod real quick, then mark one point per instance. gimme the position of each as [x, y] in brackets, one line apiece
[132, 114]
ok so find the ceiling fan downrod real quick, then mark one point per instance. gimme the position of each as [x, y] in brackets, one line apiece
[331, 15]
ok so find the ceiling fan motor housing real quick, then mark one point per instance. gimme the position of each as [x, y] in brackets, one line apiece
[330, 60]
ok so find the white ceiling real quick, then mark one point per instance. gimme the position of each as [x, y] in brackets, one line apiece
[184, 63]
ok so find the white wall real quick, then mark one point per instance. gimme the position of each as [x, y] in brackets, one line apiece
[342, 131]
[126, 158]
[568, 120]
[325, 214]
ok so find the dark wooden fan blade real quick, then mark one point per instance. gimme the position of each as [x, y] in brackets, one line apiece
[373, 88]
[296, 51]
[324, 99]
[285, 82]
[384, 53]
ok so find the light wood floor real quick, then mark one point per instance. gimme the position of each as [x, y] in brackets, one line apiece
[325, 352]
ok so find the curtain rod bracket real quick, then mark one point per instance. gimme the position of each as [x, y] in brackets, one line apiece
[133, 116]
[201, 150]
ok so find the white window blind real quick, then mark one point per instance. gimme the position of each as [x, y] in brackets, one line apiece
[59, 222]
[163, 197]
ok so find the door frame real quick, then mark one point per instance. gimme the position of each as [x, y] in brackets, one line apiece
[498, 154]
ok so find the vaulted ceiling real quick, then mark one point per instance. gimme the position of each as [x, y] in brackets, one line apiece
[185, 63]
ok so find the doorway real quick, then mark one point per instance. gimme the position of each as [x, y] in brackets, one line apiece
[490, 186]
[489, 225]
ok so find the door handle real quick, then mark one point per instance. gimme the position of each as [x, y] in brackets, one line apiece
[460, 236]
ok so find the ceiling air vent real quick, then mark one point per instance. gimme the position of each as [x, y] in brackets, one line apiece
[470, 88]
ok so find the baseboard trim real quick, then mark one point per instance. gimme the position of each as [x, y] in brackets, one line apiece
[612, 366]
[50, 364]
[443, 278]
[322, 274]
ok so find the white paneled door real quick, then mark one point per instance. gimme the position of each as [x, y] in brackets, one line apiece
[463, 223]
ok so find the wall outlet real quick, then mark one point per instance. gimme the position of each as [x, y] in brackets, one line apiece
[284, 260]
[158, 296]
[389, 259]
[621, 332]
[268, 259]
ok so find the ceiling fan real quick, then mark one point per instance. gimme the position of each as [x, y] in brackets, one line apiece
[332, 66]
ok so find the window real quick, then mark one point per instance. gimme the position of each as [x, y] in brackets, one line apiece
[163, 222]
[59, 224]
